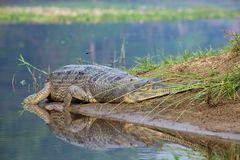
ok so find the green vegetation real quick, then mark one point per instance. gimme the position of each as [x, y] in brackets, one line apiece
[143, 65]
[214, 87]
[235, 43]
[221, 87]
[146, 64]
[94, 15]
[229, 152]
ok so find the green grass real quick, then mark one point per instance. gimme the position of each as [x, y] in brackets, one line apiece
[94, 15]
[235, 43]
[143, 65]
[221, 88]
[147, 63]
[214, 88]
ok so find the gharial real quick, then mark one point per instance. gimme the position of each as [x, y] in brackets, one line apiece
[96, 83]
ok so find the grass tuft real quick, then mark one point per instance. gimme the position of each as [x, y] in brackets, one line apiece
[222, 88]
[143, 65]
[235, 43]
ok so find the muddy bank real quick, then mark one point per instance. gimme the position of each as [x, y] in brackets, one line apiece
[222, 117]
[130, 116]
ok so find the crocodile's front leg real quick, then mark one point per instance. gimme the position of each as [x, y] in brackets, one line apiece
[37, 97]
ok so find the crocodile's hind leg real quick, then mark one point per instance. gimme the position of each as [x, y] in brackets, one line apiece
[37, 97]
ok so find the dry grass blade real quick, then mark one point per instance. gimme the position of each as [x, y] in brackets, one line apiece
[158, 105]
[181, 113]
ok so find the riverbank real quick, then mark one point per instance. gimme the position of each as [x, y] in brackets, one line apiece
[40, 14]
[216, 106]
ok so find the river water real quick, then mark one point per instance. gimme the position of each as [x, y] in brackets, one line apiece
[24, 136]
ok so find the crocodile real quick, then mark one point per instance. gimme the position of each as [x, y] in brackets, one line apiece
[97, 83]
[101, 133]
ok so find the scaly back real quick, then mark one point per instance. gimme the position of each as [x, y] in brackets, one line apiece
[103, 82]
[96, 73]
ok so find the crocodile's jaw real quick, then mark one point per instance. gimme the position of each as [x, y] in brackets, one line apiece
[139, 96]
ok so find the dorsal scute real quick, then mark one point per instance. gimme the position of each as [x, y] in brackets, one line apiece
[98, 73]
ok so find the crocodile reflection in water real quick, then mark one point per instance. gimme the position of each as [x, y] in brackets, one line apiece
[105, 134]
[98, 133]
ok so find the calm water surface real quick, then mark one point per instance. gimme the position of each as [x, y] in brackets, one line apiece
[24, 136]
